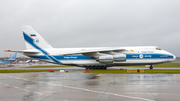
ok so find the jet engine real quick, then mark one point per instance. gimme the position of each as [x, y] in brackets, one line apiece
[112, 58]
[119, 58]
[105, 59]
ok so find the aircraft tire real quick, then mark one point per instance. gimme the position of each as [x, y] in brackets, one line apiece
[86, 67]
[94, 67]
[151, 67]
[98, 67]
[90, 67]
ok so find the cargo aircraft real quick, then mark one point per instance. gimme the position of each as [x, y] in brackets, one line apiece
[91, 58]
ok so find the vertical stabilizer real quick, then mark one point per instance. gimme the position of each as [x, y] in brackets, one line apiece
[28, 31]
[13, 57]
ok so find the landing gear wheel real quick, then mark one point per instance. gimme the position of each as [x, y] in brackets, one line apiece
[151, 67]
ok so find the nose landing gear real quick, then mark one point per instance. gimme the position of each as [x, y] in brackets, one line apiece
[151, 67]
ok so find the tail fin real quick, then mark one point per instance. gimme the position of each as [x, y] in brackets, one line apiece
[33, 39]
[13, 57]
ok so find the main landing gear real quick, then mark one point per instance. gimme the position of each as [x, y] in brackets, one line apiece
[151, 67]
[95, 67]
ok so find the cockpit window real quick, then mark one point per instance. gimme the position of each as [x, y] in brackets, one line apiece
[157, 48]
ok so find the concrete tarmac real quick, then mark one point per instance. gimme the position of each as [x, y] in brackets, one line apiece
[79, 86]
[80, 68]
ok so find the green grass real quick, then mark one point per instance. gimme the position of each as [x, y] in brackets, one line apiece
[146, 71]
[23, 71]
[168, 65]
[47, 66]
[176, 61]
[174, 65]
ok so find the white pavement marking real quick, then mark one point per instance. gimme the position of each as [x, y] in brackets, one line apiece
[15, 87]
[99, 75]
[6, 84]
[18, 87]
[25, 89]
[10, 76]
[24, 79]
[38, 93]
[139, 98]
[53, 84]
[100, 92]
[17, 78]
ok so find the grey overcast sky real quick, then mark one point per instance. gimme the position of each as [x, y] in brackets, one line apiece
[92, 23]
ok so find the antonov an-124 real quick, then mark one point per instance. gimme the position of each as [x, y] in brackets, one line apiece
[91, 58]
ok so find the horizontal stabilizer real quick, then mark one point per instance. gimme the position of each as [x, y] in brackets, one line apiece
[24, 51]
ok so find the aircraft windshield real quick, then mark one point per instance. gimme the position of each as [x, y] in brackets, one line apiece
[157, 48]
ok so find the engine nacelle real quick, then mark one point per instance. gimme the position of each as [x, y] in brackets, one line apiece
[112, 58]
[119, 58]
[106, 59]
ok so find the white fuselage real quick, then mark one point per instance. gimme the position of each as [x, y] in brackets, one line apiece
[142, 55]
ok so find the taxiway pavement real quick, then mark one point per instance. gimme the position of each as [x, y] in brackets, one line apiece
[79, 86]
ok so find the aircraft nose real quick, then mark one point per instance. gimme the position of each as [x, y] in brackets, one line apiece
[174, 57]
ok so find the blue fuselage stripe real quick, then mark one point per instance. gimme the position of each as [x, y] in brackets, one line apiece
[128, 57]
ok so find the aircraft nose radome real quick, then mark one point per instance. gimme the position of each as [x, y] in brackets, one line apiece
[174, 57]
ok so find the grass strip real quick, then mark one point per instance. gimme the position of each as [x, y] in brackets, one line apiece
[146, 71]
[23, 71]
[47, 66]
[175, 65]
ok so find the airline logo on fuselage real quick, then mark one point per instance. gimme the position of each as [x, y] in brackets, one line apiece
[141, 56]
[70, 57]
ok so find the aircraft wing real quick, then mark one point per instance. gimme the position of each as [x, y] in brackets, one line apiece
[83, 51]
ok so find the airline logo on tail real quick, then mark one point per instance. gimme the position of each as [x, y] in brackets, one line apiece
[36, 41]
